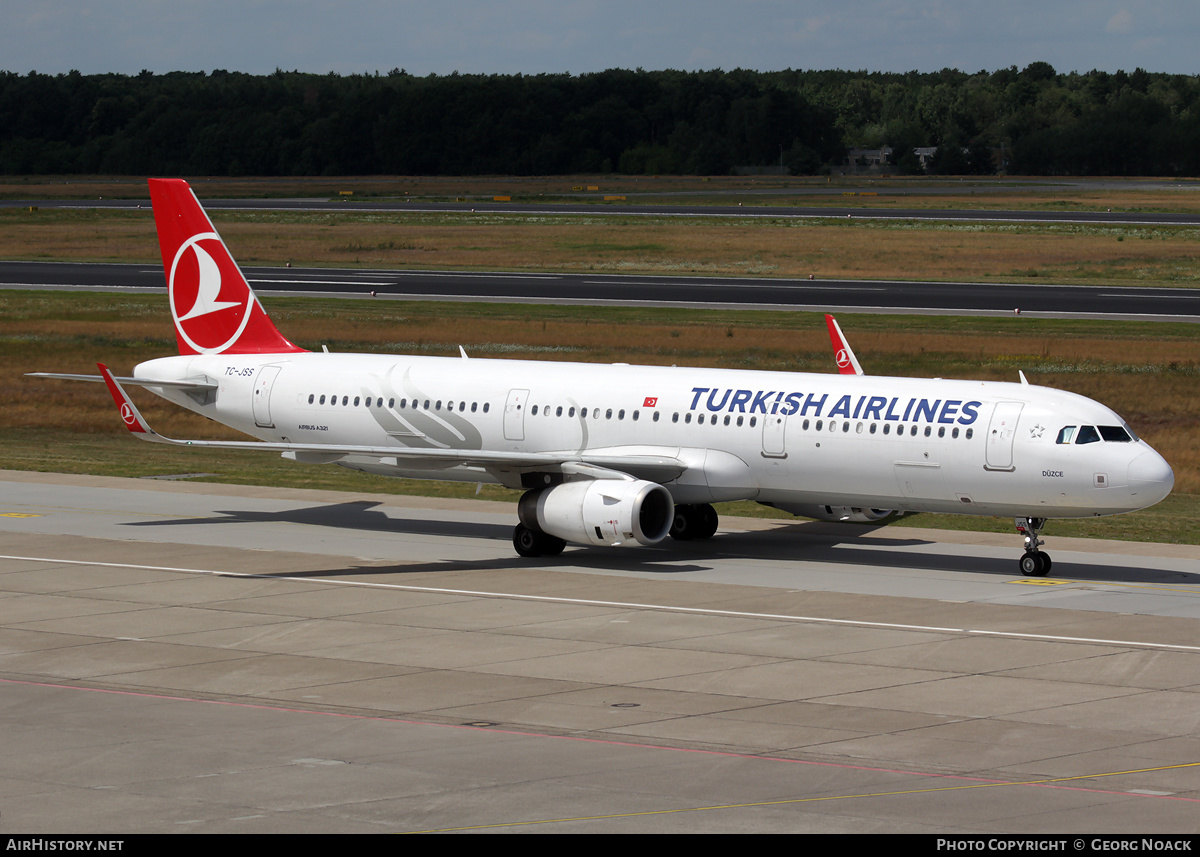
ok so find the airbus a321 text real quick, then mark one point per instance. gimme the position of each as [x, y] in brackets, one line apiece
[612, 455]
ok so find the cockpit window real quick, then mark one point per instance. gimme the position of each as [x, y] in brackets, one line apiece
[1065, 435]
[1088, 434]
[1115, 434]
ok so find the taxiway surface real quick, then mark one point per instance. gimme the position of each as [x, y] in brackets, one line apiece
[178, 656]
[843, 296]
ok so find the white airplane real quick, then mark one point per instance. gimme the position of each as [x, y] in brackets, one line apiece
[620, 454]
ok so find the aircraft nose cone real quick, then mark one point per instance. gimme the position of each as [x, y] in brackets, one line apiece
[1150, 477]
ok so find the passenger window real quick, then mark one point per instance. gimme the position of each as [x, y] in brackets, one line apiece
[533, 413]
[486, 406]
[1065, 434]
[322, 399]
[1087, 434]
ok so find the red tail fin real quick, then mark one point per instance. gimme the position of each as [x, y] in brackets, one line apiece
[215, 310]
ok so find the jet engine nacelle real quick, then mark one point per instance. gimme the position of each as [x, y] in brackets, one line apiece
[600, 511]
[845, 514]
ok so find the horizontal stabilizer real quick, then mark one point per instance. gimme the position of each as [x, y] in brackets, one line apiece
[185, 385]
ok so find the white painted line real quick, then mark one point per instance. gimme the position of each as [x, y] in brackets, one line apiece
[319, 282]
[626, 605]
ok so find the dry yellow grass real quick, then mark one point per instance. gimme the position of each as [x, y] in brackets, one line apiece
[1016, 192]
[788, 249]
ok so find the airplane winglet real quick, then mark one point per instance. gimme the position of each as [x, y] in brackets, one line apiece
[847, 363]
[129, 413]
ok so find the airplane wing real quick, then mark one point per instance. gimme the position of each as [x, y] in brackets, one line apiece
[597, 465]
[842, 352]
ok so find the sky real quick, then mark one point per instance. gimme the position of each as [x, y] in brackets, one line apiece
[580, 36]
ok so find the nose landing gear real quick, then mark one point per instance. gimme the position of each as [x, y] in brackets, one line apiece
[1034, 563]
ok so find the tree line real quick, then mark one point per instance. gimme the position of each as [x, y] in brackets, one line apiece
[1033, 121]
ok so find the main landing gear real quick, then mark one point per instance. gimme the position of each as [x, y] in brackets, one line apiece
[1034, 563]
[694, 522]
[530, 543]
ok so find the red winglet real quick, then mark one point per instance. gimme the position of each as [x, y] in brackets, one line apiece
[847, 363]
[129, 413]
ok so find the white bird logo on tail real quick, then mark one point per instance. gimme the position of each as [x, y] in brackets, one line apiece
[209, 287]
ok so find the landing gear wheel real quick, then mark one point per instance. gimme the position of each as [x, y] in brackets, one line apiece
[526, 541]
[1035, 564]
[531, 543]
[685, 525]
[694, 522]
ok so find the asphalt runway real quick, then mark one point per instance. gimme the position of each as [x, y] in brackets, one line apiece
[180, 657]
[844, 296]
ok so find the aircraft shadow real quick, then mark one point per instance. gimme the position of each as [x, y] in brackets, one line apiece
[803, 541]
[354, 515]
